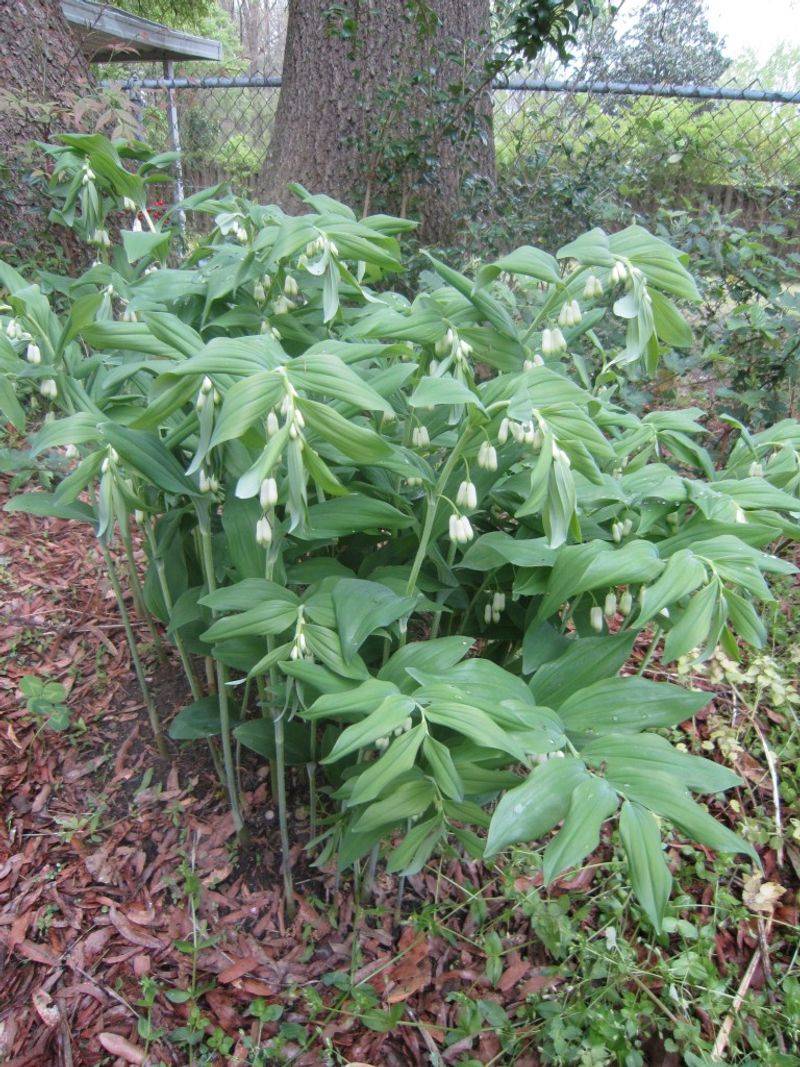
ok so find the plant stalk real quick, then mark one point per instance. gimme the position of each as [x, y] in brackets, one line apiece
[280, 766]
[152, 712]
[136, 590]
[222, 678]
[188, 670]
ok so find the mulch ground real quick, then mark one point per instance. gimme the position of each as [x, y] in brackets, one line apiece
[97, 837]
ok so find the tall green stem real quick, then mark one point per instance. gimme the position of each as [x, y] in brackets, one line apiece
[136, 589]
[188, 669]
[650, 651]
[204, 524]
[431, 509]
[152, 712]
[311, 767]
[280, 765]
[441, 596]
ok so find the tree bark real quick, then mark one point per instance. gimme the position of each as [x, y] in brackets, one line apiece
[42, 70]
[385, 105]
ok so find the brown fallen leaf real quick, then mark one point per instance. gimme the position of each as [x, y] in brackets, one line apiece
[37, 953]
[120, 1046]
[137, 935]
[237, 969]
[760, 895]
[46, 1008]
[512, 974]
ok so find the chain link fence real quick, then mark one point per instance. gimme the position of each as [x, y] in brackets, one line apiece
[720, 146]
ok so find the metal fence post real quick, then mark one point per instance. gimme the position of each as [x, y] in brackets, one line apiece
[175, 141]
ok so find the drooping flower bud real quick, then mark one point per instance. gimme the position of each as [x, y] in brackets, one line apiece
[268, 494]
[593, 287]
[616, 532]
[263, 532]
[548, 348]
[596, 619]
[756, 470]
[467, 496]
[626, 602]
[70, 451]
[618, 272]
[420, 437]
[465, 530]
[259, 292]
[499, 602]
[502, 433]
[128, 204]
[487, 457]
[610, 606]
[48, 388]
[487, 614]
[290, 286]
[33, 354]
[272, 424]
[136, 225]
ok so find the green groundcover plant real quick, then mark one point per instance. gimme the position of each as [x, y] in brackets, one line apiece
[413, 539]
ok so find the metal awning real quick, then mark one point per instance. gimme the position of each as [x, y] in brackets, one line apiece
[107, 34]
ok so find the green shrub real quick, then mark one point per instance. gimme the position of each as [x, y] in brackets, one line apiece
[418, 532]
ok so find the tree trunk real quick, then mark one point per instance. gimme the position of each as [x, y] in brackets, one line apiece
[385, 105]
[42, 69]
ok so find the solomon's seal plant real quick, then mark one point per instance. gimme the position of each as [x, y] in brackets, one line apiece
[413, 539]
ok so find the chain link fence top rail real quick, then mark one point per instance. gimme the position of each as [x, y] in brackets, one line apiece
[720, 145]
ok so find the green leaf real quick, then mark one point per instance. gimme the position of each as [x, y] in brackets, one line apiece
[396, 760]
[665, 796]
[358, 443]
[652, 752]
[496, 548]
[432, 392]
[362, 607]
[244, 403]
[327, 374]
[10, 407]
[145, 453]
[197, 720]
[629, 705]
[475, 724]
[47, 504]
[587, 660]
[416, 848]
[350, 514]
[259, 735]
[534, 807]
[580, 568]
[272, 617]
[405, 802]
[144, 243]
[441, 653]
[443, 768]
[243, 595]
[355, 700]
[526, 260]
[671, 327]
[683, 573]
[692, 628]
[389, 716]
[591, 803]
[647, 865]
